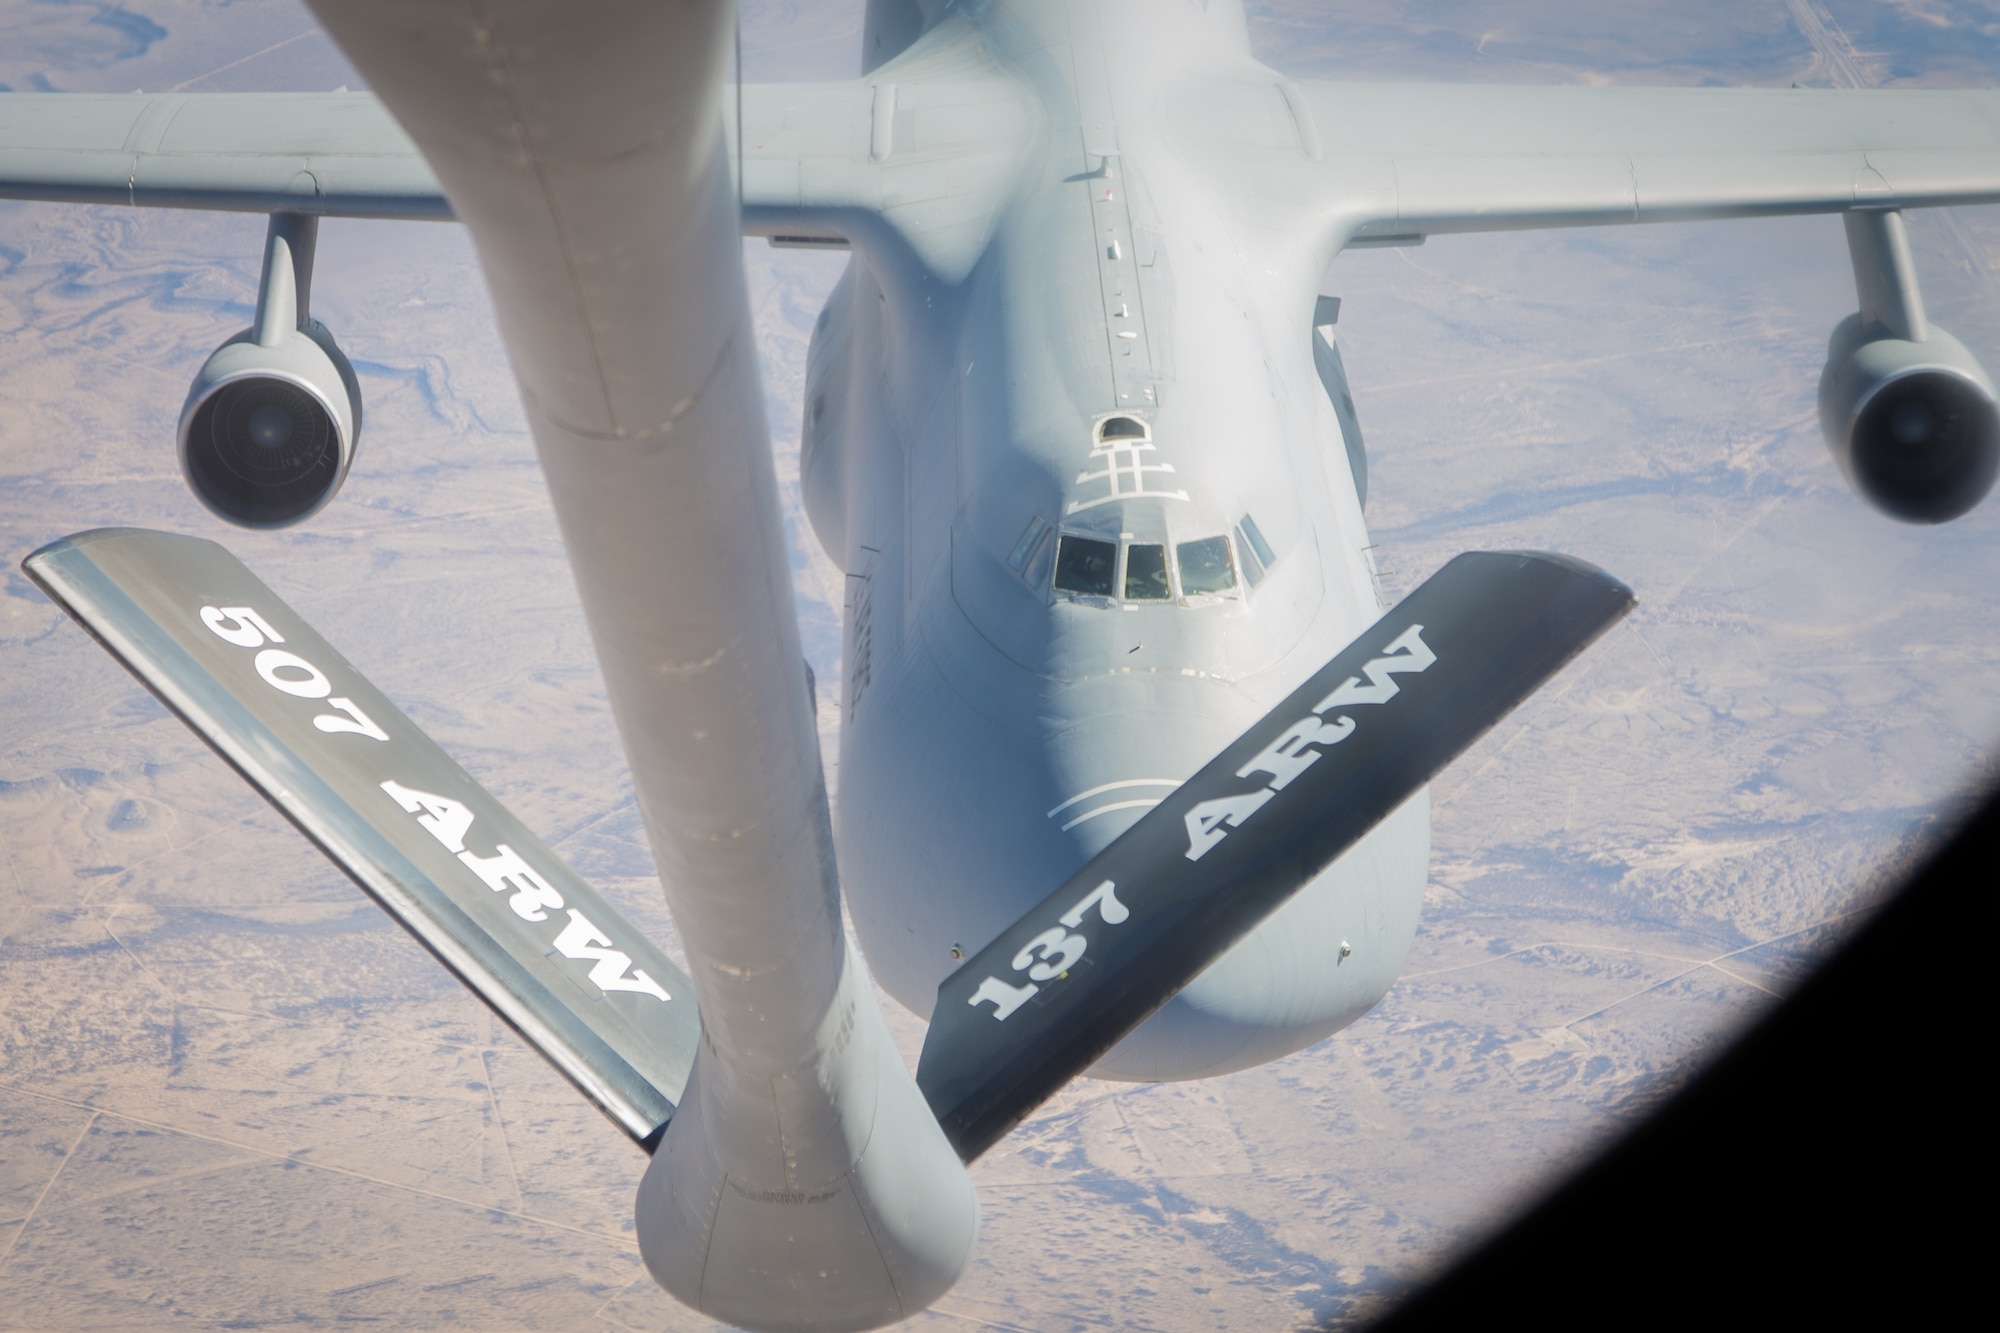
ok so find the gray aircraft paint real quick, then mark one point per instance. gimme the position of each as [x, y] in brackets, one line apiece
[1296, 791]
[407, 824]
[1167, 218]
[964, 366]
[999, 733]
[802, 1182]
[959, 369]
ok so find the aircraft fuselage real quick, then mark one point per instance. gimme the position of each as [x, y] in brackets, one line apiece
[1097, 517]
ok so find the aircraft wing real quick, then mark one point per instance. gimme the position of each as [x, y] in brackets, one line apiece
[930, 154]
[1403, 161]
[924, 156]
[335, 154]
[822, 161]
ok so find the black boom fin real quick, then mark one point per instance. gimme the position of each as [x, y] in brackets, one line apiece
[408, 825]
[1206, 865]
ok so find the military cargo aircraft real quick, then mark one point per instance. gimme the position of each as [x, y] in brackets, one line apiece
[1134, 754]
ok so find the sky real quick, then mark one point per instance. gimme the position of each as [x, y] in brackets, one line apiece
[233, 1093]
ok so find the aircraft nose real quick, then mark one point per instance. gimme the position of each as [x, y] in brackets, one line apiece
[974, 816]
[1128, 745]
[1285, 985]
[1314, 966]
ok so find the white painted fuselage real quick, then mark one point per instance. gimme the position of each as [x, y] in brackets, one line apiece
[1125, 363]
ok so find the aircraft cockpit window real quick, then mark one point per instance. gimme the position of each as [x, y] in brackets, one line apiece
[1257, 556]
[1121, 428]
[1087, 566]
[1205, 566]
[1146, 574]
[1257, 542]
[1026, 557]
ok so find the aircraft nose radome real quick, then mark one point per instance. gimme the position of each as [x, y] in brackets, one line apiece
[1124, 747]
[1288, 983]
[1031, 794]
[975, 816]
[1285, 985]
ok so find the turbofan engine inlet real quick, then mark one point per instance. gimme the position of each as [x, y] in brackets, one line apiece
[1914, 425]
[268, 430]
[1910, 415]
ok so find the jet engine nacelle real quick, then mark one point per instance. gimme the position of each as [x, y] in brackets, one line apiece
[268, 431]
[1914, 425]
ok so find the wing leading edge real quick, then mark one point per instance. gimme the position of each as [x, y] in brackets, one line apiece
[1407, 160]
[928, 154]
[928, 147]
[333, 154]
